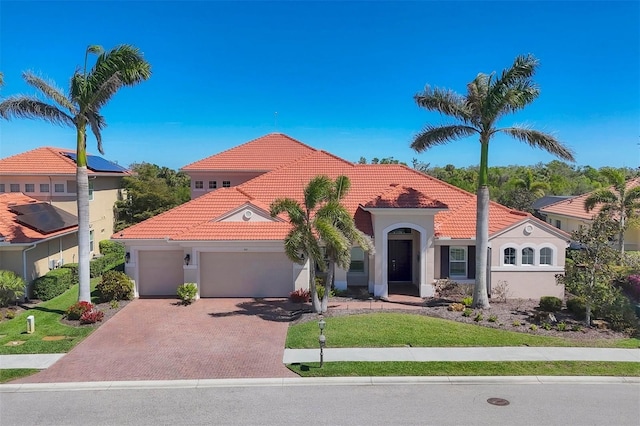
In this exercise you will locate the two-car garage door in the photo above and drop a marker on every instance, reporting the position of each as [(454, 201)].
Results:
[(251, 274)]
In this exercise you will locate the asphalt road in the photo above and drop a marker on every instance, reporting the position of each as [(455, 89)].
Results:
[(383, 404)]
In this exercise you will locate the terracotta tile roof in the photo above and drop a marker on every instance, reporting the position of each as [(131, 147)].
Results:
[(263, 154), (44, 161), (17, 233), (574, 207), (371, 185)]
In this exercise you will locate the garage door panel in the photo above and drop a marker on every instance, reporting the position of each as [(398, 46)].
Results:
[(160, 272), (245, 275)]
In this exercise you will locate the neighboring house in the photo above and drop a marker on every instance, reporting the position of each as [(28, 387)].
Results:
[(423, 230), (35, 237), (544, 202), (570, 214), (49, 174)]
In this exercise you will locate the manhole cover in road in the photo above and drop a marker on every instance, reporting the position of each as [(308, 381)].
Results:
[(498, 401)]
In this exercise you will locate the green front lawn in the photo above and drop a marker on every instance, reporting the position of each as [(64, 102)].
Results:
[(389, 329), (47, 321), (475, 368), (15, 373)]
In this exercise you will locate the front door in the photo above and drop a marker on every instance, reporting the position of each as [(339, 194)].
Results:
[(399, 260)]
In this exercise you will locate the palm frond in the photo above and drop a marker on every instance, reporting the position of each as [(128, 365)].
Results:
[(294, 246), (440, 135), (614, 177), (523, 68), (477, 91), (632, 197), (97, 123), (539, 139), (341, 187), (289, 206), (49, 89), (600, 196), (30, 107), (514, 89), (317, 190), (103, 94), (514, 98), (444, 101), (126, 61)]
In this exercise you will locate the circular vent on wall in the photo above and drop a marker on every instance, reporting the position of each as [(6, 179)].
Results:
[(528, 229), (247, 215)]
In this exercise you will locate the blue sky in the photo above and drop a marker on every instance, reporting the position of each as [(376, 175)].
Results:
[(340, 75)]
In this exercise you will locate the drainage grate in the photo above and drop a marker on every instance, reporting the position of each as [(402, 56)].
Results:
[(498, 401)]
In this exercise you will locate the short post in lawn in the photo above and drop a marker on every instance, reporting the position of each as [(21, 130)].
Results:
[(322, 339)]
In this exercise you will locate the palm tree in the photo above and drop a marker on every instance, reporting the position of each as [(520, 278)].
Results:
[(532, 186), (619, 202), (89, 91), (338, 234), (488, 99)]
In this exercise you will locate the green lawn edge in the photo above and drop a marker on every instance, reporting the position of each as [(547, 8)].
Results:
[(467, 368), (392, 329), (9, 374)]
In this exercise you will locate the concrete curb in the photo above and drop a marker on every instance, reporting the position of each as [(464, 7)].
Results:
[(318, 381)]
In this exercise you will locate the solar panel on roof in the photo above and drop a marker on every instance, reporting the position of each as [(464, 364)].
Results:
[(43, 217), (98, 164)]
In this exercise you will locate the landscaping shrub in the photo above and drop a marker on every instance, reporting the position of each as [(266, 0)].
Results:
[(91, 317), (300, 295), (105, 263), (115, 285), (73, 267), (75, 311), (550, 304), (620, 314), (456, 307), (53, 284), (467, 312), (320, 291), (577, 307), (478, 317), (633, 286), (493, 318), (187, 293), (110, 247), (467, 301), (11, 287)]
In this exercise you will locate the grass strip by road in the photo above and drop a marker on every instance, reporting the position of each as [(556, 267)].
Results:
[(15, 373), (467, 368), (47, 321), (389, 329)]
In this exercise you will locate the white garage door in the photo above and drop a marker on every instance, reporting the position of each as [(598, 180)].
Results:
[(245, 275), (160, 272)]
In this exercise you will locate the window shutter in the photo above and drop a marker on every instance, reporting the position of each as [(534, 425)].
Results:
[(471, 262), (444, 261)]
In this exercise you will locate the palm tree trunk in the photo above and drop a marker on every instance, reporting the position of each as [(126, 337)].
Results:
[(480, 297), (315, 302), (327, 286), (82, 183), (621, 236)]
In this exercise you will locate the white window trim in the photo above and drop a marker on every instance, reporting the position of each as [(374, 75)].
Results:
[(536, 256), (521, 256), (466, 260), (195, 185)]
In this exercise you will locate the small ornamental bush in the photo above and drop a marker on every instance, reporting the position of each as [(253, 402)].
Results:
[(77, 310), (550, 304), (533, 327), (10, 314), (478, 317), (299, 296), (11, 287), (91, 317), (115, 285), (546, 326), (73, 267), (467, 312), (53, 284), (516, 323), (561, 326), (187, 293), (493, 318), (634, 286), (456, 307), (577, 307), (467, 301)]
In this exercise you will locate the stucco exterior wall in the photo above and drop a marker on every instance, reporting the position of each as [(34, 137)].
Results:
[(569, 224), (234, 177), (528, 285)]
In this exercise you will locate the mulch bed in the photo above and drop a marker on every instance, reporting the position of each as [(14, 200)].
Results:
[(105, 308)]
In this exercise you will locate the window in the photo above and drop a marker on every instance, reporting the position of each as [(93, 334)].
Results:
[(2, 189), (14, 187), (29, 187), (527, 256), (58, 187), (72, 187), (510, 256), (199, 184), (226, 183), (546, 256), (213, 184), (558, 223), (90, 190), (44, 187), (357, 260), (458, 261), (91, 240)]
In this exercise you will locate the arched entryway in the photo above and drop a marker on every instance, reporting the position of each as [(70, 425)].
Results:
[(403, 262)]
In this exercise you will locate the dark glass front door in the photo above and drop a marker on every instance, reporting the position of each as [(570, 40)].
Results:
[(399, 260)]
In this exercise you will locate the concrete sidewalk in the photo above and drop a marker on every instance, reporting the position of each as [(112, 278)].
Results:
[(39, 361), (462, 354)]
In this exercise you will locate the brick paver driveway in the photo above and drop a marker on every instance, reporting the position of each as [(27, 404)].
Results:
[(154, 339)]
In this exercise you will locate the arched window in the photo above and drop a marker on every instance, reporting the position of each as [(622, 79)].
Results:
[(546, 256), (527, 256), (510, 256)]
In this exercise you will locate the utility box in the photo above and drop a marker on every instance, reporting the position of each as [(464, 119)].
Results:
[(31, 324)]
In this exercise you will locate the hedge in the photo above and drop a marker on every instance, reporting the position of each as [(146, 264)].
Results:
[(53, 284), (109, 247), (74, 272), (105, 263)]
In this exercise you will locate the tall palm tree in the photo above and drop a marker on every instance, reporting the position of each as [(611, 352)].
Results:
[(338, 234), (488, 99), (532, 186), (621, 202), (89, 91)]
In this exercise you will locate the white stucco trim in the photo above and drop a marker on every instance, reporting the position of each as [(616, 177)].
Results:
[(536, 257)]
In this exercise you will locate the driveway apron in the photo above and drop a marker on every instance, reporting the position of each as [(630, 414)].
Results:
[(155, 339)]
